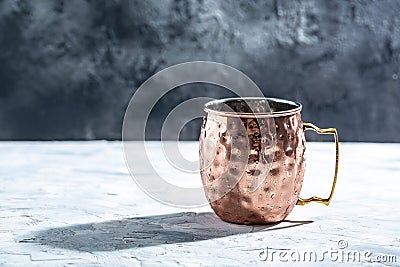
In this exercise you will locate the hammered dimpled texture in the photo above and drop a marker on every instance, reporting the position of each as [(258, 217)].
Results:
[(262, 169)]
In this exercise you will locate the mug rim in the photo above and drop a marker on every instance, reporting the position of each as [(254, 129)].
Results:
[(297, 107)]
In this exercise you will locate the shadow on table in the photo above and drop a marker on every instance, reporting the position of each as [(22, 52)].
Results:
[(147, 231)]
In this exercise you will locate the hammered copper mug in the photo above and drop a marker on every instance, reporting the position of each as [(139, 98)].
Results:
[(252, 158)]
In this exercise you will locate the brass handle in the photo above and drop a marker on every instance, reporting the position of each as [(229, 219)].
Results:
[(326, 201)]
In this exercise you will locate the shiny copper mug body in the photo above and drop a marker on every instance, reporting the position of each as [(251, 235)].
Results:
[(252, 158)]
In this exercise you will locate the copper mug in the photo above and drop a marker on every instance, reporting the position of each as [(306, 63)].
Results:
[(252, 158)]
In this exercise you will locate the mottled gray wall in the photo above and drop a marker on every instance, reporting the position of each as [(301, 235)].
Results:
[(69, 68)]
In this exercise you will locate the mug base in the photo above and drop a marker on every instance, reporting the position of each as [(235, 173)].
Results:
[(246, 222), (250, 220)]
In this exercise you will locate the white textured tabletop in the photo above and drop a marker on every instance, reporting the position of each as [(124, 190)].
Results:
[(64, 203)]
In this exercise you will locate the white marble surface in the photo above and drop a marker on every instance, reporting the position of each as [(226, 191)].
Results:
[(74, 203)]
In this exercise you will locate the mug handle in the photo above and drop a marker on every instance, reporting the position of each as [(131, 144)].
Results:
[(326, 201)]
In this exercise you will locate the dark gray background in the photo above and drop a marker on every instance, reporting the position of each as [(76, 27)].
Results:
[(69, 68)]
